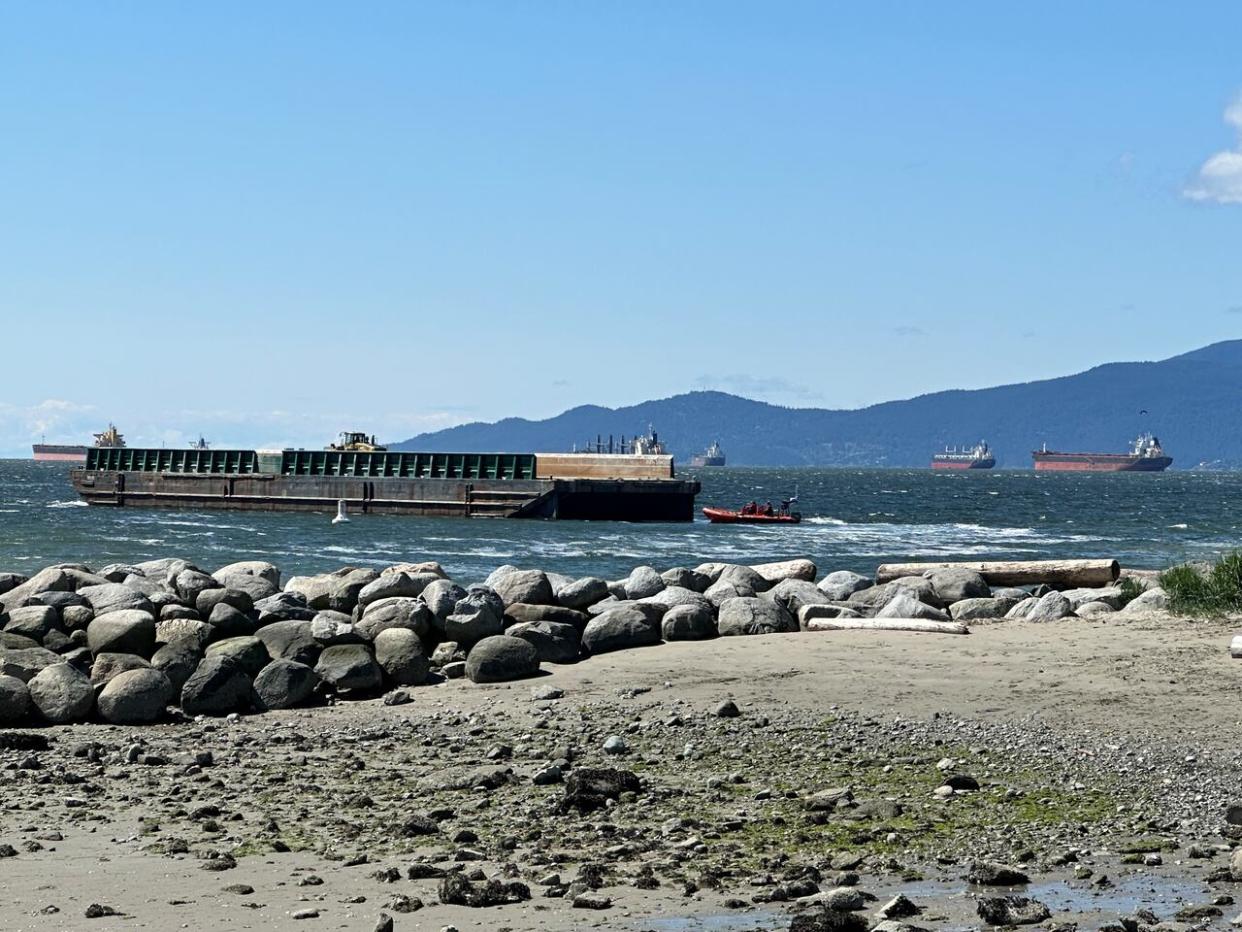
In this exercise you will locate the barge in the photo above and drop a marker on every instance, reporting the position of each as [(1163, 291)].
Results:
[(502, 485)]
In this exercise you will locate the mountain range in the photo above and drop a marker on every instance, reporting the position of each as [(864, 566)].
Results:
[(1191, 401)]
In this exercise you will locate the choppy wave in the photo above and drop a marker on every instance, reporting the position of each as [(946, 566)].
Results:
[(75, 503)]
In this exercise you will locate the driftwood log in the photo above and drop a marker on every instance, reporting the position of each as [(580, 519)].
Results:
[(1070, 574), (886, 624)]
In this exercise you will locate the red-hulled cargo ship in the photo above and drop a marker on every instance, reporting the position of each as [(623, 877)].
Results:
[(1146, 455), (979, 458)]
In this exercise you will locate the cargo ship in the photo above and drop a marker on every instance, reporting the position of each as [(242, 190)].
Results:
[(712, 456), (1146, 455), (76, 453), (371, 479), (979, 457)]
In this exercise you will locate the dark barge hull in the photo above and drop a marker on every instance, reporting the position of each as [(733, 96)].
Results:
[(566, 498)]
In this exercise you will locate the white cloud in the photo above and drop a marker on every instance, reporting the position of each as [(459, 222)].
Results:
[(1219, 180)]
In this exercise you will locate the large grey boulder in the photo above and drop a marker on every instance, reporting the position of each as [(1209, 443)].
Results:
[(501, 658), (980, 609), (26, 663), (228, 622), (642, 583), (314, 591), (395, 612), (479, 615), (283, 606), (349, 666), (795, 593), (1113, 596), (954, 583), (620, 629), (688, 623), (520, 612), (582, 593), (178, 660), (343, 595), (208, 599), (842, 584), (800, 568), (76, 617), (128, 631), (721, 591), (134, 697), (107, 667), (395, 585), (258, 579), (554, 642), (1153, 600), (62, 694), (32, 621), (905, 605), (114, 597), (290, 640), (671, 596), (253, 568), (283, 684), (248, 651), (871, 600), (11, 641), (686, 579), (1052, 606), (399, 652), (751, 615), (217, 686), (190, 582), (331, 628), (515, 585), (441, 596), (14, 700), (180, 629), (745, 577)]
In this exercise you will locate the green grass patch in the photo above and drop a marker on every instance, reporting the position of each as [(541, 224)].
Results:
[(1216, 592)]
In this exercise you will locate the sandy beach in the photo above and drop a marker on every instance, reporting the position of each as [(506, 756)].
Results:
[(1114, 729)]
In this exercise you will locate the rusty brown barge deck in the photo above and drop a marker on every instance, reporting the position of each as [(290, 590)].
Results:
[(499, 485)]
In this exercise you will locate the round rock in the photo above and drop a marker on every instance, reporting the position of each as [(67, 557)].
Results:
[(135, 697), (62, 694), (501, 658)]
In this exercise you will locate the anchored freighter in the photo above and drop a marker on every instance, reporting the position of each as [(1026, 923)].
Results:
[(978, 458), (76, 453), (1146, 455)]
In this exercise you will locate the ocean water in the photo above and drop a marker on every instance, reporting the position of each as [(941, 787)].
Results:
[(852, 519)]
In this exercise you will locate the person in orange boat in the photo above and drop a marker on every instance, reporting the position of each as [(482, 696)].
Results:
[(750, 508), (767, 510)]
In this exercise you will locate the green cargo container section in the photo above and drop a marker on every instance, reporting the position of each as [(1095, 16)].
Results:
[(453, 484)]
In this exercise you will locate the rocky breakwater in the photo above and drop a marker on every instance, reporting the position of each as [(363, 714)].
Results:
[(131, 644)]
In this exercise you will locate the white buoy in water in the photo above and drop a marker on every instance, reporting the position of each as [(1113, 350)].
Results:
[(341, 516)]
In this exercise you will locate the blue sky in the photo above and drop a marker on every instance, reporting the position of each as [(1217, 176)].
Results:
[(270, 222)]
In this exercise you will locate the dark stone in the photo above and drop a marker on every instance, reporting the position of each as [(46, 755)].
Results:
[(456, 890), (177, 660), (128, 631), (1011, 910), (290, 640), (619, 629), (218, 686), (501, 658), (349, 666), (283, 684), (590, 788), (227, 622), (135, 697), (553, 642), (993, 874)]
